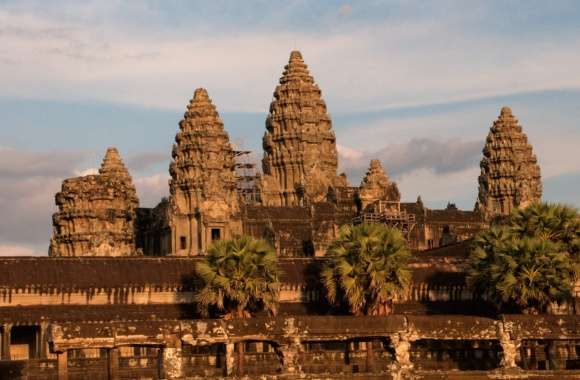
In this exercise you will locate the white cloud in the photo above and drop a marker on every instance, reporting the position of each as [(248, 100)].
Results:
[(152, 188), (347, 153), (371, 66), (20, 250), (89, 171), (437, 189)]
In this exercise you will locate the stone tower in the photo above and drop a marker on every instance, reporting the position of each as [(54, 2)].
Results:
[(204, 204), (510, 175), (300, 158), (96, 213), (376, 186)]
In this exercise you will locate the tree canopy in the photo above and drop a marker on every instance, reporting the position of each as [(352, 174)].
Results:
[(367, 268), (239, 277), (529, 262)]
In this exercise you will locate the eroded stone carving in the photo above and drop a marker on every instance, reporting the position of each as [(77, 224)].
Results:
[(96, 213), (299, 144), (204, 202), (510, 175)]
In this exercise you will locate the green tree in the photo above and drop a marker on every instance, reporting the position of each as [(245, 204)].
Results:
[(366, 269), (529, 262), (239, 277), (557, 223)]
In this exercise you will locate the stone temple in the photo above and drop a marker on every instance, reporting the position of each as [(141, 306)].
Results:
[(510, 175), (114, 299)]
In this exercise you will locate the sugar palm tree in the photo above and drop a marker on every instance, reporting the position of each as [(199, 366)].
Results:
[(554, 222), (531, 261), (239, 278), (366, 269)]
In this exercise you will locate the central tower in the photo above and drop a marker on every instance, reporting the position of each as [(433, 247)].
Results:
[(300, 159)]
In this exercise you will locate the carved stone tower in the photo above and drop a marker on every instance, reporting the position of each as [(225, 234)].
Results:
[(510, 175), (96, 213), (376, 186), (204, 203), (300, 158)]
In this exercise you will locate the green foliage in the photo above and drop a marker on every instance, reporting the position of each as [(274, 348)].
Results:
[(367, 268), (529, 262), (239, 278), (554, 222)]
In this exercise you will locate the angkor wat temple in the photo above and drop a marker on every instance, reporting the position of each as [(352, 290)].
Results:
[(114, 299)]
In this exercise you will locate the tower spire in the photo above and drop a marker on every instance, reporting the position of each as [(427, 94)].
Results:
[(510, 175), (113, 164), (300, 157), (203, 184)]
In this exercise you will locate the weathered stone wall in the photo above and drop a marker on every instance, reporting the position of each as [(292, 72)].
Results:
[(404, 347)]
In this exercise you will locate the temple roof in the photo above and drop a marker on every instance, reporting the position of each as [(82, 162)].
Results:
[(299, 144), (510, 175), (113, 165), (77, 273)]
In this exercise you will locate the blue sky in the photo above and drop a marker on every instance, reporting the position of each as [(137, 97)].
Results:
[(416, 84)]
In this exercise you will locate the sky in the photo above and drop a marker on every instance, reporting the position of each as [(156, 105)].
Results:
[(415, 84)]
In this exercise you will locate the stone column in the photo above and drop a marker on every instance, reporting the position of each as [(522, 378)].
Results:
[(6, 341), (62, 365), (289, 354), (230, 358), (43, 348), (113, 363), (402, 346), (509, 348), (172, 362)]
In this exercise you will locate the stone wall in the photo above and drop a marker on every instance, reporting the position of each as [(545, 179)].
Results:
[(332, 347)]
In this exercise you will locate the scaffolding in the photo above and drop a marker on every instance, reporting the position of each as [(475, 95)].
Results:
[(247, 178), (389, 213)]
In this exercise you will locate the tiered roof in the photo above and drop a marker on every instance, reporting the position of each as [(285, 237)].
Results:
[(299, 144), (376, 186), (203, 159), (510, 175), (96, 213)]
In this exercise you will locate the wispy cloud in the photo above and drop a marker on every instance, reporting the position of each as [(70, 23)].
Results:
[(29, 182), (399, 160), (21, 250), (137, 55), (152, 188)]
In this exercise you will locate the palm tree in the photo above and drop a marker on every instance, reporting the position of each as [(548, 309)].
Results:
[(530, 262), (366, 269), (555, 222), (239, 278)]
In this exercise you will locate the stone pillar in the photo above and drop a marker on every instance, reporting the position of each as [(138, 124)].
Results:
[(289, 354), (113, 363), (6, 341), (43, 348), (402, 346), (62, 365), (230, 358), (172, 362), (509, 348)]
